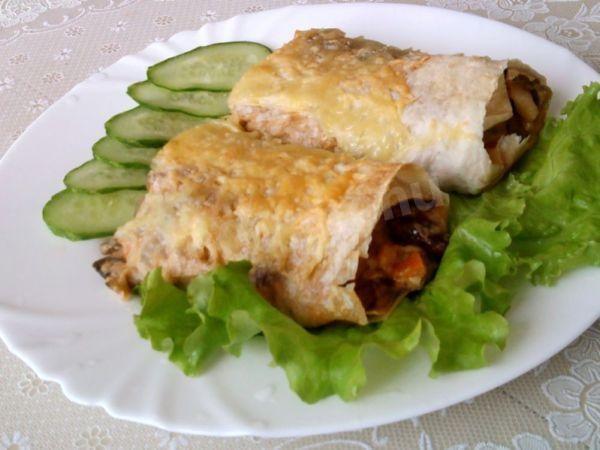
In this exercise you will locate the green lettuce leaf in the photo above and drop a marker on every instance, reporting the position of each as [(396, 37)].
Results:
[(317, 364), (541, 221), (223, 310), (560, 226), (465, 300), (167, 321)]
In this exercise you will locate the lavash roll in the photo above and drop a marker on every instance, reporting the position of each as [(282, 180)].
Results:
[(465, 119), (303, 217)]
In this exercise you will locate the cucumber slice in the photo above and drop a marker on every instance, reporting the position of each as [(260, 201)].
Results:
[(197, 103), (215, 67), (145, 127), (97, 176), (118, 154), (79, 215)]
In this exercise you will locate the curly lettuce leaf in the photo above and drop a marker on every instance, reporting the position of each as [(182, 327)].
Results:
[(167, 321), (222, 309), (465, 300), (560, 226), (317, 363), (471, 291)]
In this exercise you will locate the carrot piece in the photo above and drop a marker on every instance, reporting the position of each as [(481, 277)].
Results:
[(413, 265)]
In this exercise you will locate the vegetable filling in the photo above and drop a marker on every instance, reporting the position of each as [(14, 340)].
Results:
[(406, 247), (515, 112)]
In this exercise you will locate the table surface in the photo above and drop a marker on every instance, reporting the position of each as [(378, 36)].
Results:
[(47, 46)]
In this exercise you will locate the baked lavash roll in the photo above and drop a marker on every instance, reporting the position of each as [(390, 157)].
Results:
[(330, 238), (466, 119)]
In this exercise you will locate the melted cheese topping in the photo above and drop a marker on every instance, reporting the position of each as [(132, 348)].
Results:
[(272, 175), (355, 88)]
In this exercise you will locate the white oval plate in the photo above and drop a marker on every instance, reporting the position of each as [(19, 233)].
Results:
[(57, 315)]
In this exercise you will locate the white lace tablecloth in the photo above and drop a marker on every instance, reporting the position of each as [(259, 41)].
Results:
[(47, 46)]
